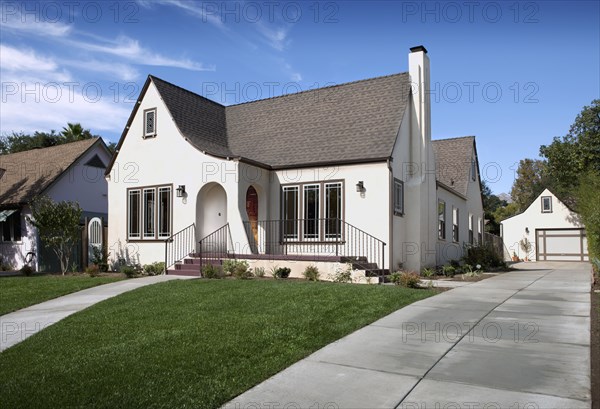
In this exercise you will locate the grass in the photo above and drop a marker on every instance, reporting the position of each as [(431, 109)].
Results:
[(193, 344), (20, 292)]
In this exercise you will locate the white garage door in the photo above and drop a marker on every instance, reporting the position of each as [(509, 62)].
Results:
[(561, 245)]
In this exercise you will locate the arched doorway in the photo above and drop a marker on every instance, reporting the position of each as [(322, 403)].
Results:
[(252, 211), (211, 209)]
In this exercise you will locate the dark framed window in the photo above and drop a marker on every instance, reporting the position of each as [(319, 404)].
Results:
[(546, 204), (398, 197), (480, 231), (149, 213), (333, 210), (473, 170), (441, 219), (150, 123), (455, 224), (312, 211), (471, 233), (10, 225)]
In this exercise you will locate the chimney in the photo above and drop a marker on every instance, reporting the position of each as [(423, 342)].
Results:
[(418, 68)]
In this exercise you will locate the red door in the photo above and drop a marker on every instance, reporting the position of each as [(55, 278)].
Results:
[(252, 211)]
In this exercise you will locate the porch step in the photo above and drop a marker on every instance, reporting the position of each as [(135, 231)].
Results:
[(183, 273)]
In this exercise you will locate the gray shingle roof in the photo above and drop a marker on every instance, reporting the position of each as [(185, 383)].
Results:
[(29, 173), (453, 162), (352, 122)]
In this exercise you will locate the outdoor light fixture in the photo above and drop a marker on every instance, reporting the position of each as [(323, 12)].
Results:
[(180, 191), (527, 230), (360, 187)]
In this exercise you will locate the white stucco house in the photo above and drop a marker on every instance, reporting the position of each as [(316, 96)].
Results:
[(554, 231), (71, 172), (346, 173)]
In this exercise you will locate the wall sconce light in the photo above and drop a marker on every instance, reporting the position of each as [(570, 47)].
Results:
[(180, 191), (526, 230), (360, 187)]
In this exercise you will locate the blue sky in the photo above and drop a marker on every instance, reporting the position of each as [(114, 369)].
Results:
[(514, 74)]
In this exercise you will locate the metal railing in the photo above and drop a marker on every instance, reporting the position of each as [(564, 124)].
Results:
[(180, 245), (316, 237), (215, 247)]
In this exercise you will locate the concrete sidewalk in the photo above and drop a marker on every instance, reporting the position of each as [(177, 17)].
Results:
[(19, 325), (518, 339)]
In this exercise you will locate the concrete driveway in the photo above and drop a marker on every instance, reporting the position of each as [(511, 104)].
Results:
[(518, 340)]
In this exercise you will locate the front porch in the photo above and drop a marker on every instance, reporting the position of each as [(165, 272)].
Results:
[(329, 243)]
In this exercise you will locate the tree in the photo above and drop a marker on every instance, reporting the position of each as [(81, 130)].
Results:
[(504, 212), (491, 203), (574, 154), (588, 201), (530, 182), (58, 226), (19, 142)]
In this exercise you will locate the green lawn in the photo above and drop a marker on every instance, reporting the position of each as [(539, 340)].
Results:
[(20, 292), (193, 344)]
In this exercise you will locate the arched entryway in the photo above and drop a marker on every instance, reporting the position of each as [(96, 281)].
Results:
[(211, 209), (252, 211)]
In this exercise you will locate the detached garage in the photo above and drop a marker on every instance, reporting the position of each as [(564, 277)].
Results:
[(553, 230), (561, 245)]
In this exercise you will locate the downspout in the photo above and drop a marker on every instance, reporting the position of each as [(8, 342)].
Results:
[(390, 213)]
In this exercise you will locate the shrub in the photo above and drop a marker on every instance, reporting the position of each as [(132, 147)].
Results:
[(154, 269), (26, 270), (273, 271), (449, 271), (408, 279), (4, 266), (92, 270), (428, 272), (129, 271), (455, 264), (259, 272), (212, 271), (242, 271), (283, 272), (311, 273), (484, 255), (342, 276)]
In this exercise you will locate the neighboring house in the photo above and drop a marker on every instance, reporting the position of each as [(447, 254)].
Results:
[(73, 172), (554, 231), (336, 174), (460, 204)]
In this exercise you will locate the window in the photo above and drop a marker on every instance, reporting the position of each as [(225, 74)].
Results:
[(471, 237), (149, 213), (455, 224), (149, 210), (442, 219), (333, 210), (398, 197), (10, 225), (133, 212), (473, 170), (150, 123), (164, 215), (546, 204), (312, 211), (289, 211), (480, 231)]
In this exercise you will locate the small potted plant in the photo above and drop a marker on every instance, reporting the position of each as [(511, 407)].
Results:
[(515, 257)]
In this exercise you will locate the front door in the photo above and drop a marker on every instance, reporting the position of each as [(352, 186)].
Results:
[(252, 211)]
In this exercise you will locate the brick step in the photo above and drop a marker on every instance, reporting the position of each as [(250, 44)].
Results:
[(187, 267), (183, 273), (197, 261)]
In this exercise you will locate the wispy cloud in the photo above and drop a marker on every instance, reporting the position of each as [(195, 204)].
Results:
[(194, 8), (130, 49), (276, 37), (28, 63), (31, 24)]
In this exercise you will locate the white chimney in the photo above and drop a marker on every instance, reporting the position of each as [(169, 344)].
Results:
[(418, 68)]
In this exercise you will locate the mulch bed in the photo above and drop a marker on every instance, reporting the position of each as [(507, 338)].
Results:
[(460, 277)]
